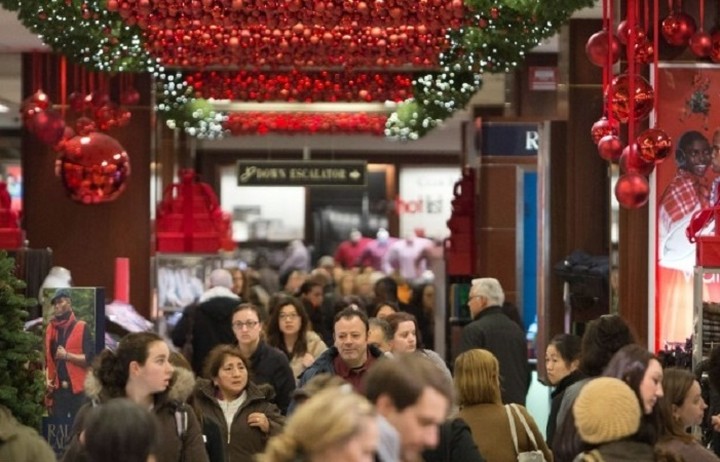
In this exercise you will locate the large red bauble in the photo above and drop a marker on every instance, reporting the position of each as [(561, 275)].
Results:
[(701, 44), (622, 32), (619, 95), (94, 168), (678, 27), (654, 145), (630, 162), (632, 190), (597, 48), (48, 126), (603, 127), (38, 99), (610, 148)]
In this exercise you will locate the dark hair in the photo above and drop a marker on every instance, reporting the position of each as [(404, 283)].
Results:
[(713, 368), (307, 286), (276, 338), (374, 310), (394, 321), (568, 345), (112, 369), (215, 359), (403, 378), (386, 289), (603, 337), (418, 293), (383, 326), (120, 431), (349, 313), (684, 143), (629, 364), (349, 301)]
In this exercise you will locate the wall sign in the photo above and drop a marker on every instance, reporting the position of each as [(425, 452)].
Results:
[(508, 139), (301, 173)]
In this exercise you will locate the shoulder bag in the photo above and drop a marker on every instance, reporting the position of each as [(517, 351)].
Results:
[(527, 456)]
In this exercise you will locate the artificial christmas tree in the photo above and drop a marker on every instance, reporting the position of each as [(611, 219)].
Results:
[(21, 377)]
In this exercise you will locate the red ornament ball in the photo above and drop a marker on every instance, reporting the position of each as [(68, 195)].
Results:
[(619, 95), (701, 44), (48, 126), (94, 168), (38, 99), (677, 28), (85, 126), (654, 145), (630, 162), (622, 32), (632, 190), (597, 48), (610, 148), (603, 127)]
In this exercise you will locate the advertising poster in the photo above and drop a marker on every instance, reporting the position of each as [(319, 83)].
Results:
[(73, 320), (688, 108)]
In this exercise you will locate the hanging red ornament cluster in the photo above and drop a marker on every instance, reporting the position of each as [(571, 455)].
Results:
[(630, 98), (284, 13), (297, 86), (299, 33), (93, 167), (262, 123)]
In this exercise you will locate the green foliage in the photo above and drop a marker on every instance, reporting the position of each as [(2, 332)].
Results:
[(21, 378)]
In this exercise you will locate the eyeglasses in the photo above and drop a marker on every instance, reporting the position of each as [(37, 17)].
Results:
[(247, 324), (289, 316)]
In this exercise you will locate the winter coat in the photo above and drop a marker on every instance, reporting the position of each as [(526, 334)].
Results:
[(242, 440), (270, 365), (619, 451), (456, 444), (690, 450), (494, 331), (207, 325), (315, 346), (556, 400), (324, 363), (19, 443), (174, 444)]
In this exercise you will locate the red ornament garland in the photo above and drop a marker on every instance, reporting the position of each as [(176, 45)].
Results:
[(262, 123)]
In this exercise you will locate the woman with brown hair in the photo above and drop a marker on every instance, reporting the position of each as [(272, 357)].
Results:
[(242, 409), (477, 386)]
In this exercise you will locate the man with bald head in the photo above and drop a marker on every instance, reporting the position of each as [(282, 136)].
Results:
[(492, 330)]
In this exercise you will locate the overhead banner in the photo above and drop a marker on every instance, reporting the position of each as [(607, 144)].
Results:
[(301, 173), (687, 102)]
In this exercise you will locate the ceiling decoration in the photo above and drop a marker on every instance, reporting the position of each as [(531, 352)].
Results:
[(428, 55)]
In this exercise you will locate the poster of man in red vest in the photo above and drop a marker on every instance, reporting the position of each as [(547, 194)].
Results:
[(69, 349)]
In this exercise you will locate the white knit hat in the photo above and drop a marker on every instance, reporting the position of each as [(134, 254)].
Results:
[(606, 409)]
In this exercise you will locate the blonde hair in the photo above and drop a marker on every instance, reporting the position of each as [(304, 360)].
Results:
[(331, 417), (477, 378)]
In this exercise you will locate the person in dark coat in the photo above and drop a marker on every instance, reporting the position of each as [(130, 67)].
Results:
[(140, 370), (492, 330), (207, 323), (456, 444), (269, 365), (243, 410), (562, 360)]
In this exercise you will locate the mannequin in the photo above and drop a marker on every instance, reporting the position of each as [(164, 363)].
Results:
[(348, 252), (374, 254), (405, 255)]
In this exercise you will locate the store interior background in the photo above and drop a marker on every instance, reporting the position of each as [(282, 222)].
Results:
[(87, 239)]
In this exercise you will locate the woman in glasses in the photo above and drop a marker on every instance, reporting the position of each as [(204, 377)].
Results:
[(289, 331), (269, 365), (242, 409)]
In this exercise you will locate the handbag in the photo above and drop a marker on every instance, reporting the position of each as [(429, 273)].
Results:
[(526, 456)]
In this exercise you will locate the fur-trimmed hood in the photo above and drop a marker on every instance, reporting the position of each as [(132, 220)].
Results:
[(181, 387)]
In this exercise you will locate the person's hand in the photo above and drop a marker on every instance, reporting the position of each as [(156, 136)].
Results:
[(50, 384), (715, 421), (61, 353), (307, 360), (260, 420)]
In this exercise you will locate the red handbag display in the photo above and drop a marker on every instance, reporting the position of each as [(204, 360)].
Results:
[(189, 218)]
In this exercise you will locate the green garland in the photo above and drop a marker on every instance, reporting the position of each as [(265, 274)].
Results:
[(502, 32)]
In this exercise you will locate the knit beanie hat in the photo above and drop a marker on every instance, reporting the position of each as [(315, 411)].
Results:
[(606, 410)]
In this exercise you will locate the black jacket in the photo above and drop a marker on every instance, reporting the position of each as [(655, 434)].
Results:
[(456, 444), (556, 396), (494, 331), (270, 365)]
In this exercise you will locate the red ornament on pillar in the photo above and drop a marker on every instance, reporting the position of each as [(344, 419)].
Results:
[(597, 49), (610, 148), (619, 95), (678, 27), (604, 127), (93, 168), (654, 145), (630, 162), (632, 190)]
